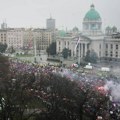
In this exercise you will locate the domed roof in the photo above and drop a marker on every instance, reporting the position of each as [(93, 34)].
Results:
[(62, 33), (92, 14), (108, 28), (75, 29)]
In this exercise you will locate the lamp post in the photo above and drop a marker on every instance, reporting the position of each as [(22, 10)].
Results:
[(61, 59), (35, 53), (79, 54)]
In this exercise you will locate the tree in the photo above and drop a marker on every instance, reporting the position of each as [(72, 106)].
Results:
[(15, 92), (91, 56), (60, 96), (4, 66), (66, 52), (3, 47), (11, 50), (47, 96), (51, 49)]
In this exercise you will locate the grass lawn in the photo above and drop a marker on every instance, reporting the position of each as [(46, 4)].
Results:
[(29, 55)]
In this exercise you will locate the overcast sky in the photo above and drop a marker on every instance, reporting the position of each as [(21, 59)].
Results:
[(68, 13)]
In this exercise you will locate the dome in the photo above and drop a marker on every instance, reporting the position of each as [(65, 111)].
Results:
[(75, 29), (114, 29), (62, 33), (92, 14), (108, 28)]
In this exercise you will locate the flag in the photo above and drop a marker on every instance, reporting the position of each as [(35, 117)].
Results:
[(77, 44)]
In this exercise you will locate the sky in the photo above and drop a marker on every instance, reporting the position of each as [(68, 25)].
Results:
[(67, 13)]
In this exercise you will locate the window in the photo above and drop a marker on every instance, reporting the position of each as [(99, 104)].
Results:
[(116, 54), (99, 26), (93, 27), (86, 26), (59, 42), (116, 47), (65, 42), (106, 46), (68, 43), (106, 53), (99, 53), (100, 46), (111, 46), (59, 48), (111, 53)]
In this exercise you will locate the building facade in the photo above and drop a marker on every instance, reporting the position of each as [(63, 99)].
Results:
[(92, 38), (42, 39), (15, 37), (3, 36), (28, 39), (50, 24), (3, 33)]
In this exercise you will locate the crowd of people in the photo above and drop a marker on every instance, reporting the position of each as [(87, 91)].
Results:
[(110, 108)]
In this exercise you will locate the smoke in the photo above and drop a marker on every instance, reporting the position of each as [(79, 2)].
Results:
[(70, 74), (112, 86), (114, 89)]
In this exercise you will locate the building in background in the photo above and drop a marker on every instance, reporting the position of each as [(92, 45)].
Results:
[(3, 36), (50, 24), (42, 38), (15, 37), (28, 42), (112, 44), (106, 46), (3, 33), (92, 22), (4, 26)]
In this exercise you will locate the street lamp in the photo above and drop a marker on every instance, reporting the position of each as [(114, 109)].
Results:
[(61, 59), (35, 53)]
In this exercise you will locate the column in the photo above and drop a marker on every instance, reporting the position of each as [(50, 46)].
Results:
[(72, 50), (80, 49), (85, 48), (114, 51), (108, 50)]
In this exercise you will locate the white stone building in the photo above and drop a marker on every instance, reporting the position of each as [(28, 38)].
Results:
[(91, 38)]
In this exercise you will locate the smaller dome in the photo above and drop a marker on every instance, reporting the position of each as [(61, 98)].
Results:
[(114, 29), (62, 33), (75, 29), (92, 14), (108, 28)]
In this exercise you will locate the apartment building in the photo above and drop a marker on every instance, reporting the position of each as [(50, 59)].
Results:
[(15, 37)]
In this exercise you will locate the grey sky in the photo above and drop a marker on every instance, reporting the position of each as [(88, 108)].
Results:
[(68, 13)]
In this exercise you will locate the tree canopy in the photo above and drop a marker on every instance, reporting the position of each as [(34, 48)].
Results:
[(3, 47), (66, 52), (91, 56), (42, 94), (51, 50)]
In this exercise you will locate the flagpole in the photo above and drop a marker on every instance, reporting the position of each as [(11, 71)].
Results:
[(78, 44), (79, 55)]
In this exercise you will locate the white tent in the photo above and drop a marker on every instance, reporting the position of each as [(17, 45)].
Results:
[(88, 67), (105, 69)]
